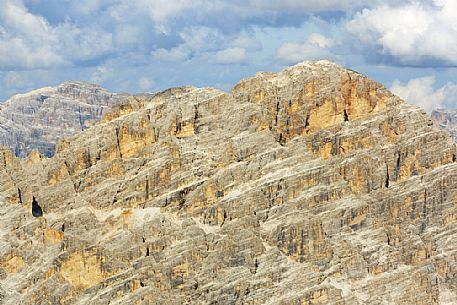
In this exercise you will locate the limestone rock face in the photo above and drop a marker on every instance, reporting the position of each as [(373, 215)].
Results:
[(38, 119), (313, 185), (447, 119)]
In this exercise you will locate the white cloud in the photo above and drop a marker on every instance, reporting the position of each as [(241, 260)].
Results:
[(420, 91), (312, 5), (88, 7), (28, 41), (314, 48), (79, 44), (127, 35), (414, 34), (320, 40), (208, 44), (246, 42), (101, 74), (145, 84), (162, 12), (173, 55), (201, 38), (13, 80), (231, 56)]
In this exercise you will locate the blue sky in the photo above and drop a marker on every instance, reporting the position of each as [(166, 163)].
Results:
[(149, 45)]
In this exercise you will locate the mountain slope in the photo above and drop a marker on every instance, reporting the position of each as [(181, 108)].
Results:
[(313, 185), (38, 119)]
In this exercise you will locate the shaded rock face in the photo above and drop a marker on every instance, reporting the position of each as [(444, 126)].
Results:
[(313, 185), (447, 119), (38, 119)]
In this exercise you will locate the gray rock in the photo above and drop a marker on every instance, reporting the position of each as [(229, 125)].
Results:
[(313, 185), (447, 119), (38, 119)]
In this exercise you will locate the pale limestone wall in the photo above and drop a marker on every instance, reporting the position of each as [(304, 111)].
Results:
[(270, 194)]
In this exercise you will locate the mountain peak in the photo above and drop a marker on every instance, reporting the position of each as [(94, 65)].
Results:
[(39, 118), (313, 185)]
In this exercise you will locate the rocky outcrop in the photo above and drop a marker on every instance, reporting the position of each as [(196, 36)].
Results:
[(447, 119), (313, 185), (38, 119)]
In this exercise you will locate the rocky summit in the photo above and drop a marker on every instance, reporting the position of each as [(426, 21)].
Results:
[(447, 119), (314, 185), (38, 119)]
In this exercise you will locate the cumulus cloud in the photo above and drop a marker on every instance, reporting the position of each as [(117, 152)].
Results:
[(101, 74), (145, 84), (25, 40), (36, 35), (28, 41), (421, 92), (162, 11), (173, 55), (315, 47), (13, 80), (231, 56), (313, 5), (246, 42), (82, 44), (209, 45), (417, 33)]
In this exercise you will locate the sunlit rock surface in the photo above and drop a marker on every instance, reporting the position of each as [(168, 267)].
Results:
[(313, 185)]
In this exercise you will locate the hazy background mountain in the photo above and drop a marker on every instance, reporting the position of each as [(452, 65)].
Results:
[(38, 119), (447, 119)]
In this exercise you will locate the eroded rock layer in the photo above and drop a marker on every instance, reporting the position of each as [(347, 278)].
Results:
[(313, 185), (38, 119)]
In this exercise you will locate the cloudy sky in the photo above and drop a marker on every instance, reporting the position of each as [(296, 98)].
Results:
[(149, 45)]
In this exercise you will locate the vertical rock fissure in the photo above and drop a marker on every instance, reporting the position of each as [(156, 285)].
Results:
[(397, 167), (99, 152), (387, 182), (88, 159), (118, 142), (146, 191), (80, 118), (157, 134), (195, 112), (277, 111), (19, 195), (4, 161)]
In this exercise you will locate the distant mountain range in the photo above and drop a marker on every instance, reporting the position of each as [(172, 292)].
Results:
[(38, 119)]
